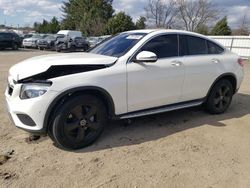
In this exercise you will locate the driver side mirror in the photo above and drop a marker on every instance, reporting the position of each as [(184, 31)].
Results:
[(146, 57)]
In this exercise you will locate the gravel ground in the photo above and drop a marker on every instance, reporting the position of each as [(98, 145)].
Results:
[(184, 148)]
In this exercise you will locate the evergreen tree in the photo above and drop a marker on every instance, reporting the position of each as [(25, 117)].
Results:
[(54, 26), (36, 26), (202, 29), (47, 27), (89, 16), (119, 23), (140, 24), (221, 28), (44, 27)]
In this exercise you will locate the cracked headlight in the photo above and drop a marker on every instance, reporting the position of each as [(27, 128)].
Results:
[(33, 90)]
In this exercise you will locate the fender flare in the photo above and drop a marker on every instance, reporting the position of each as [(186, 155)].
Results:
[(220, 77), (56, 101)]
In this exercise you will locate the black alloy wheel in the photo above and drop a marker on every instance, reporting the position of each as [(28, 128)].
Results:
[(220, 97), (79, 122)]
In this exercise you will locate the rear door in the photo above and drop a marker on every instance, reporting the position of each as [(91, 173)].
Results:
[(201, 66), (156, 84)]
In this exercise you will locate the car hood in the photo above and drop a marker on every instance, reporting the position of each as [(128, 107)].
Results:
[(40, 64)]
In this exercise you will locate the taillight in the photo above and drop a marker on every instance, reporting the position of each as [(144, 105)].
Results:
[(241, 62)]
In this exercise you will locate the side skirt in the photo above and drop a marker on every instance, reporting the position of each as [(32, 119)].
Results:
[(161, 109)]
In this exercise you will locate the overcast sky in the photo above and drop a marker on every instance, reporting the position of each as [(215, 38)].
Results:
[(25, 12)]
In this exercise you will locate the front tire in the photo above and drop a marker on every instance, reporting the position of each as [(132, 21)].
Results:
[(220, 97), (79, 122)]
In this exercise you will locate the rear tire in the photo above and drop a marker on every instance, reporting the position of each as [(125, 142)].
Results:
[(220, 97), (79, 122)]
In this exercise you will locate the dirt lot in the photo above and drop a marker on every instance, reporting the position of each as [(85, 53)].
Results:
[(185, 148)]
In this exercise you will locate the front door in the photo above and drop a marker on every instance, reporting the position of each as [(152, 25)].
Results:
[(156, 84)]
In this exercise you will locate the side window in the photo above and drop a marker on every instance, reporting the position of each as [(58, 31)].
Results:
[(214, 48), (196, 45), (4, 36), (9, 36), (163, 46), (12, 36)]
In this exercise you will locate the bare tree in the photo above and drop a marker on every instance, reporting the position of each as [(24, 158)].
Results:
[(243, 29), (192, 14), (160, 13)]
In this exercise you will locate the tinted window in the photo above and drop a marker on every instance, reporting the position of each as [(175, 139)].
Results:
[(118, 45), (27, 36), (163, 46), (7, 36), (196, 46), (214, 48)]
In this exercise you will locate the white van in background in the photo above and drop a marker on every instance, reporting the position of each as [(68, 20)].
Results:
[(70, 33)]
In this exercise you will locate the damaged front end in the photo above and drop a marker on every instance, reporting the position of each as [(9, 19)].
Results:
[(33, 85), (61, 70), (37, 85)]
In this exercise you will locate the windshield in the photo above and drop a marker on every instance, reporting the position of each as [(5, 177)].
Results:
[(60, 36), (36, 36), (50, 37), (118, 45)]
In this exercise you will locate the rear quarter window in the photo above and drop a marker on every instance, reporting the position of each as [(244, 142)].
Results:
[(214, 48)]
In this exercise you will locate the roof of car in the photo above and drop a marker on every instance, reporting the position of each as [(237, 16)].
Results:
[(147, 31), (162, 31), (8, 32)]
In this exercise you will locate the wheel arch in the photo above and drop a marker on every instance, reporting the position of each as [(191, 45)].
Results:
[(66, 95), (229, 76)]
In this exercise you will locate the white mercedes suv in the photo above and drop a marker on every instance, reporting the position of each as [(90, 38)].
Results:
[(71, 97)]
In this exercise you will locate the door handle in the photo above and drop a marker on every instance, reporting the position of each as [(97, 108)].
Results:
[(215, 60), (176, 63)]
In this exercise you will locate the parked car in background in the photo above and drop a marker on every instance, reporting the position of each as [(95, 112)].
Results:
[(32, 42), (79, 43), (27, 36), (71, 44), (48, 42), (93, 41), (104, 37), (24, 36), (135, 73), (9, 40)]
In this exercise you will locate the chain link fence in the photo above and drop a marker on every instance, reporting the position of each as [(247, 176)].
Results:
[(237, 44)]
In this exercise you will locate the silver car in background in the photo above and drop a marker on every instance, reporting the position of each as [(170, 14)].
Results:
[(32, 41)]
